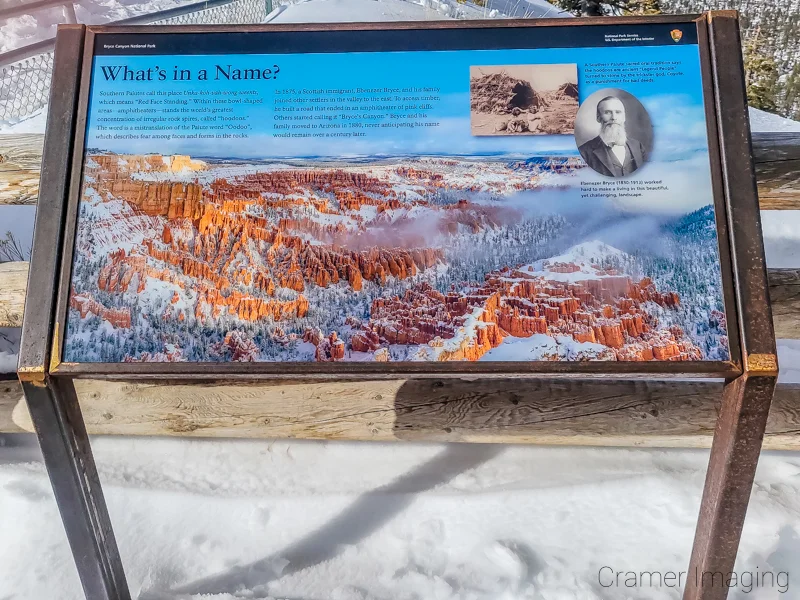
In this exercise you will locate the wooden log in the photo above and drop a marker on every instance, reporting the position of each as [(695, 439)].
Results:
[(777, 161), (782, 202), (784, 291), (20, 164), (13, 282), (772, 147), (612, 413), (779, 185)]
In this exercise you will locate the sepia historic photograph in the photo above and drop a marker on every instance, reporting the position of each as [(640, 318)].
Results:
[(523, 99)]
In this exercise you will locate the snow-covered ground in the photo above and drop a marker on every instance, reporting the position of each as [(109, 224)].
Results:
[(41, 23), (789, 361), (333, 11), (348, 521), (781, 230), (763, 121), (9, 346)]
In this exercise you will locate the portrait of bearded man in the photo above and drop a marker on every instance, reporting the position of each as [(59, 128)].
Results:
[(613, 152)]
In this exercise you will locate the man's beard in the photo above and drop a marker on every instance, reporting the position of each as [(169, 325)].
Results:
[(613, 133)]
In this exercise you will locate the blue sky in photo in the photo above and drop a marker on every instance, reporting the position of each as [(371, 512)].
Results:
[(675, 103)]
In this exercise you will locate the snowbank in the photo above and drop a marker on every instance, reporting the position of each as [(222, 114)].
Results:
[(41, 24), (781, 229), (349, 11), (349, 521), (8, 362), (346, 11), (764, 122), (36, 122), (789, 361), (9, 348)]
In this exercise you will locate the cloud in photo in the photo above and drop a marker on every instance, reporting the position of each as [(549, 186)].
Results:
[(688, 181), (679, 126)]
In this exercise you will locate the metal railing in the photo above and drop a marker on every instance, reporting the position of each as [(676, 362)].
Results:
[(25, 73)]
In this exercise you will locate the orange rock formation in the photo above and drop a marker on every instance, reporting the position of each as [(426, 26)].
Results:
[(605, 311), (85, 304)]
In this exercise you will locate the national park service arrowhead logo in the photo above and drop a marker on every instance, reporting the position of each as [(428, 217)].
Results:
[(676, 35)]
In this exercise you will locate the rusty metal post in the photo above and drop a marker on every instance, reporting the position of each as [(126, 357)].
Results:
[(52, 402), (746, 399)]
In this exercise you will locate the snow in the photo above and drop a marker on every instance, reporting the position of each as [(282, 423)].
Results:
[(353, 521), (781, 229), (789, 361), (33, 123), (8, 362), (539, 347), (583, 255), (41, 24), (107, 233), (344, 11), (764, 122), (9, 345), (588, 252)]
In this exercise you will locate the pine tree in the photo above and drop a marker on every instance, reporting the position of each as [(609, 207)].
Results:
[(600, 8), (589, 8), (771, 48), (761, 74), (643, 7), (779, 39), (789, 94)]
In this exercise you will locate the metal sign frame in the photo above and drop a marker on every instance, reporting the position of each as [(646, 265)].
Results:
[(750, 373)]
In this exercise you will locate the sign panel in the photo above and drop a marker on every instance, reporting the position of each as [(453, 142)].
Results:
[(395, 196)]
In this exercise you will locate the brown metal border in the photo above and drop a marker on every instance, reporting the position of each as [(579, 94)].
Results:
[(262, 370), (73, 201), (405, 25), (756, 329), (37, 326), (323, 371), (746, 399), (53, 405), (721, 216)]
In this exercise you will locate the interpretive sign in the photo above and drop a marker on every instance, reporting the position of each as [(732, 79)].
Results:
[(344, 196), (398, 201)]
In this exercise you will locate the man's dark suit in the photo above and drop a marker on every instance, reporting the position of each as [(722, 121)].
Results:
[(600, 157)]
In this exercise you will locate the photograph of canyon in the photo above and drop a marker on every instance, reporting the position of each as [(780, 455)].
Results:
[(413, 258), (523, 99)]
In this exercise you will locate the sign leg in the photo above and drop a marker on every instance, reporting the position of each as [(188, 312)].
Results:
[(729, 480), (68, 457)]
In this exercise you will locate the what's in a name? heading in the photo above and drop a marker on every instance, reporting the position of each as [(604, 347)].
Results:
[(121, 73)]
